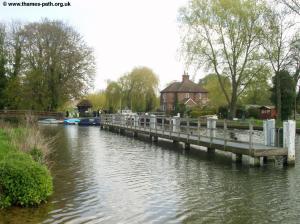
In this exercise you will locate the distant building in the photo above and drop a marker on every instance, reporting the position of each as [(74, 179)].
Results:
[(84, 106), (185, 92), (268, 112)]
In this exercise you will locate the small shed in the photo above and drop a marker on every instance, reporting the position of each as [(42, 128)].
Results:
[(83, 106), (268, 112)]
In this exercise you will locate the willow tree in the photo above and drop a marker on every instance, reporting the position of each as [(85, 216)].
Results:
[(113, 96), (139, 88), (223, 36), (143, 88)]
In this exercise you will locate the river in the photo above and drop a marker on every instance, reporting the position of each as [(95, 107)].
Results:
[(103, 177)]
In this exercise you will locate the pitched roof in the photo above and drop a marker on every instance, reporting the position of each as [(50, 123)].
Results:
[(186, 86), (84, 103)]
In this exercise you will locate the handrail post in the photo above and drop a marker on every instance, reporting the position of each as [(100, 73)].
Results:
[(188, 128), (199, 127), (225, 133), (163, 125), (250, 136)]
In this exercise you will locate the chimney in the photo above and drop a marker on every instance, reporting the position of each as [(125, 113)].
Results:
[(185, 77)]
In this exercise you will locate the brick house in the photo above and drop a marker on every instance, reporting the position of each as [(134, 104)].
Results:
[(185, 92)]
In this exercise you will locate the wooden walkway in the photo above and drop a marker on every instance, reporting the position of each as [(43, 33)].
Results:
[(190, 132)]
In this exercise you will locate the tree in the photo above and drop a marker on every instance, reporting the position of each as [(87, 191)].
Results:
[(258, 91), (287, 93), (224, 36), (49, 63), (139, 88), (113, 96), (277, 40), (3, 64), (97, 99), (143, 88), (293, 5), (215, 94)]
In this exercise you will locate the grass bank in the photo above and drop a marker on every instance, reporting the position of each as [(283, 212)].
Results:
[(24, 177)]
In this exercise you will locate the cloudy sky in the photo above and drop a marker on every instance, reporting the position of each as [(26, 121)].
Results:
[(124, 33)]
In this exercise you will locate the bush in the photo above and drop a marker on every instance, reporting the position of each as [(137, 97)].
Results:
[(197, 112), (253, 112), (23, 181)]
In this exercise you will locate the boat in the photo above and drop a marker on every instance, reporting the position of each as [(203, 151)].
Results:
[(51, 121), (89, 122), (71, 121)]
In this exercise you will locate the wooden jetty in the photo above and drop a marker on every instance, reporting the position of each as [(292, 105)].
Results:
[(191, 132)]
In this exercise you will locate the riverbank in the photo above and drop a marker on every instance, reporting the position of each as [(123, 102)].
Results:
[(24, 177)]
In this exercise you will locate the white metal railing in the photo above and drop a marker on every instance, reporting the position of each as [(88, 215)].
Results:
[(179, 127)]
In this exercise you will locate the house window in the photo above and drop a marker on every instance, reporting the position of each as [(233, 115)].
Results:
[(200, 96), (187, 95)]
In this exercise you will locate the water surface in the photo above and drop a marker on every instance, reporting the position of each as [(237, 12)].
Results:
[(103, 177)]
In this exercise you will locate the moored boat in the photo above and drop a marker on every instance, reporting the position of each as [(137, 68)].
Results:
[(71, 121), (89, 121), (51, 121)]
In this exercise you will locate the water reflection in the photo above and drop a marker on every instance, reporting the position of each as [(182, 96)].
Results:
[(102, 177)]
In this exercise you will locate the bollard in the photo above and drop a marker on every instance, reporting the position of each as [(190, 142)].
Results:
[(176, 124), (269, 132), (289, 134), (136, 121), (211, 125), (152, 121)]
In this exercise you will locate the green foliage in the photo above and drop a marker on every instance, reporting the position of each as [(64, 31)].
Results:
[(287, 93), (48, 64), (98, 100), (202, 111), (253, 112), (223, 37), (23, 181), (113, 97), (135, 90), (258, 91), (37, 155), (215, 94), (3, 62)]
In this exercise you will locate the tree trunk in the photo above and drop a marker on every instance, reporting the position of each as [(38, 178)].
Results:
[(233, 102), (278, 96)]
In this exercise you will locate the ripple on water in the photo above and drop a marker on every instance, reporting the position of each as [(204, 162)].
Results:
[(102, 177)]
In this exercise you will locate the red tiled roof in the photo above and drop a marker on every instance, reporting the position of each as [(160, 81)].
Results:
[(185, 87)]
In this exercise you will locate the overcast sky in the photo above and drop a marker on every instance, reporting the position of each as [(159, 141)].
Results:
[(123, 33)]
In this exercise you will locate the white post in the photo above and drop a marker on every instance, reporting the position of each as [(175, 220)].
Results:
[(176, 123), (211, 125), (136, 120), (289, 134), (153, 121), (269, 132)]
